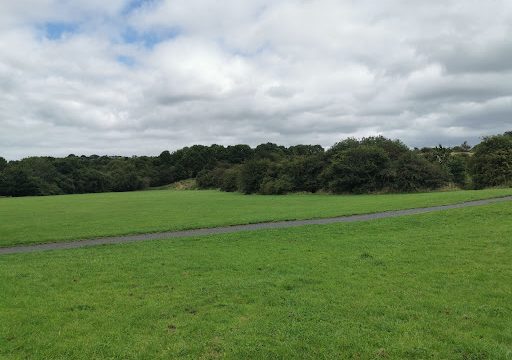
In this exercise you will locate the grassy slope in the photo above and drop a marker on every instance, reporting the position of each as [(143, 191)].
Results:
[(59, 218), (427, 286)]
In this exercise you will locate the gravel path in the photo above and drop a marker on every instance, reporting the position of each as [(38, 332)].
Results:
[(237, 228)]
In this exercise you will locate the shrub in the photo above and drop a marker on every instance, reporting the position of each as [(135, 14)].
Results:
[(206, 179), (413, 173), (15, 181), (393, 148), (211, 179), (491, 164), (358, 170), (305, 172), (276, 186), (230, 179), (457, 166), (251, 175)]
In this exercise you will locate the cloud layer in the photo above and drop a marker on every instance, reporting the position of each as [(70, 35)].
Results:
[(137, 77)]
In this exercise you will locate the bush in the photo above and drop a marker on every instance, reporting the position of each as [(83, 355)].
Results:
[(251, 175), (230, 179), (304, 172), (414, 173), (457, 166), (211, 179), (358, 169), (392, 148), (124, 180), (276, 186), (491, 164), (18, 182), (91, 181), (206, 179)]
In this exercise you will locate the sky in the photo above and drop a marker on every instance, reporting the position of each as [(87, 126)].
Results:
[(138, 77)]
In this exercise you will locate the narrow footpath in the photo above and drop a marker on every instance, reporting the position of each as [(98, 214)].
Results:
[(237, 228)]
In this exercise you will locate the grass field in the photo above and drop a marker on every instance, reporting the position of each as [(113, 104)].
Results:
[(432, 286), (70, 217)]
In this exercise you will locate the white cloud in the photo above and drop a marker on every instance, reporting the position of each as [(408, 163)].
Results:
[(289, 71)]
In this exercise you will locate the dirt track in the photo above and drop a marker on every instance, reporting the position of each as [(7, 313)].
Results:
[(237, 228)]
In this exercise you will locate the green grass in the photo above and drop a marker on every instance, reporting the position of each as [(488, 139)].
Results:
[(434, 286), (60, 218)]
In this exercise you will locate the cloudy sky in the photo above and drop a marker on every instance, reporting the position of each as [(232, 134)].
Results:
[(137, 77)]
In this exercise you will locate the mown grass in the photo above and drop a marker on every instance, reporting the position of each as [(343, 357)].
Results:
[(432, 286), (70, 217)]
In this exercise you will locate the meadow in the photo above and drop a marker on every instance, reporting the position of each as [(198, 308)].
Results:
[(30, 220), (416, 287)]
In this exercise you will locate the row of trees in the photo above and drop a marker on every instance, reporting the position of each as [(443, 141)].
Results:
[(374, 164), (368, 165)]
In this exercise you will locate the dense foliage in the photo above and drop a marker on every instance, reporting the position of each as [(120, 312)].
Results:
[(368, 165), (491, 164)]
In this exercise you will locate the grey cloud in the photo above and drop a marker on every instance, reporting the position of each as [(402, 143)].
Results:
[(468, 58), (249, 72), (496, 114), (452, 89), (281, 91)]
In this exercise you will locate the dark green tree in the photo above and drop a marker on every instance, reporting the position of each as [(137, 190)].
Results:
[(17, 182), (491, 164), (359, 169), (252, 174), (165, 157), (3, 163), (413, 172), (230, 179), (278, 185), (237, 154), (269, 151), (304, 171), (305, 150), (89, 180)]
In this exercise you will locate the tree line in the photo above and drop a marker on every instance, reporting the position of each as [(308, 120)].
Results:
[(367, 165)]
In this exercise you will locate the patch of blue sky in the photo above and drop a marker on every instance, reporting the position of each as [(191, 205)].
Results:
[(126, 60), (56, 30), (135, 4), (148, 38)]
